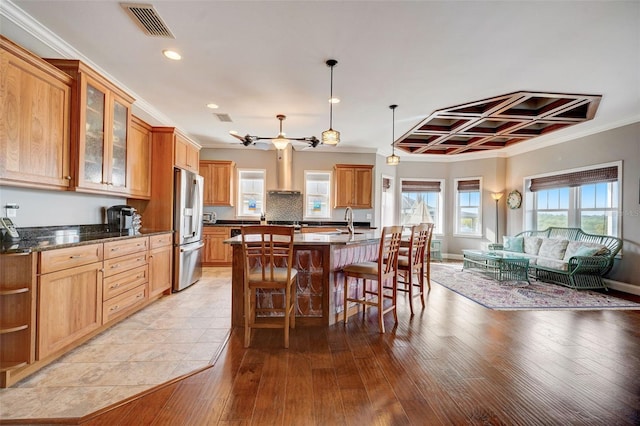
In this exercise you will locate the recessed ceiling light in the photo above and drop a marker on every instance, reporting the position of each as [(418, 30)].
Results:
[(213, 106), (172, 54), (334, 100)]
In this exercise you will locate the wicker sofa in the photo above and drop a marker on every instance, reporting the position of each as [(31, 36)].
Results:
[(565, 256)]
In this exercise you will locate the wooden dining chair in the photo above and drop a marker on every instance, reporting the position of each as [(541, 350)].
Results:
[(268, 261), (413, 261), (383, 272)]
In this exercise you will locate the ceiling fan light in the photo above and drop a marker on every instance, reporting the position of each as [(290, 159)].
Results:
[(330, 137), (393, 160), (280, 142)]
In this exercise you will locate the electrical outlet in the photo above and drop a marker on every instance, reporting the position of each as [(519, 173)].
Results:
[(11, 209), (368, 215)]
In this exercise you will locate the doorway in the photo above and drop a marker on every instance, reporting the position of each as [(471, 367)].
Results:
[(388, 202)]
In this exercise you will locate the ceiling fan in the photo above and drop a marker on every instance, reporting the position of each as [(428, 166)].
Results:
[(280, 141)]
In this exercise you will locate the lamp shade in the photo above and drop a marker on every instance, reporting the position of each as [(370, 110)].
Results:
[(496, 195), (330, 137), (393, 160), (280, 142)]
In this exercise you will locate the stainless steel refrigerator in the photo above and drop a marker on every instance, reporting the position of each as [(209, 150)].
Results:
[(187, 227)]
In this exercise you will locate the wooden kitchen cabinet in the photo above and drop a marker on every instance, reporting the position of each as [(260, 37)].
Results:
[(69, 297), (218, 182), (353, 185), (160, 264), (34, 120), (139, 159), (17, 313), (216, 252), (186, 155), (100, 120)]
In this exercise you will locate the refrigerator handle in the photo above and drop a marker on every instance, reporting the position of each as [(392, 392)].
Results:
[(198, 247), (197, 217)]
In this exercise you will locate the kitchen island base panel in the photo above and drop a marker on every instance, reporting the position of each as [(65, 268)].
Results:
[(320, 281)]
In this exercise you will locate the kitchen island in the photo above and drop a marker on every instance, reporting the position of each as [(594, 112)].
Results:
[(319, 258)]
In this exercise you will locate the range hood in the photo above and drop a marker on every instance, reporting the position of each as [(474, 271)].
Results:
[(284, 172)]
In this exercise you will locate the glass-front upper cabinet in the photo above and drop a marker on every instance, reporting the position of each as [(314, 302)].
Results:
[(103, 117)]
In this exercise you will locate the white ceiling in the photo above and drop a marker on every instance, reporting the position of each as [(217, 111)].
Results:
[(256, 59)]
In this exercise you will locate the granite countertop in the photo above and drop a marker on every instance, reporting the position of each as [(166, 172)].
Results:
[(55, 237), (303, 224), (326, 238)]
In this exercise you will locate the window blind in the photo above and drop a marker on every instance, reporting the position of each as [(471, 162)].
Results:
[(420, 186), (584, 177), (469, 185)]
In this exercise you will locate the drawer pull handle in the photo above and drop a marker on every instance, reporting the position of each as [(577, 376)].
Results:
[(75, 256), (139, 296), (138, 276), (115, 286), (115, 266), (114, 308)]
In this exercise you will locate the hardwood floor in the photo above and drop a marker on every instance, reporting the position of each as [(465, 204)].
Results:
[(453, 363)]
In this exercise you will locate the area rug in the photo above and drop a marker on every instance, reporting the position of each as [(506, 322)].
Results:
[(536, 295)]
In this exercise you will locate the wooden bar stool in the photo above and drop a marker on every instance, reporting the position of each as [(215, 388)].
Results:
[(411, 262), (381, 271), (268, 260)]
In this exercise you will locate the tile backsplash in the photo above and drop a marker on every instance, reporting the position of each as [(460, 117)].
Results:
[(284, 207)]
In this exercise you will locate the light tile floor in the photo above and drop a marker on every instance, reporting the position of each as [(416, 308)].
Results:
[(173, 336)]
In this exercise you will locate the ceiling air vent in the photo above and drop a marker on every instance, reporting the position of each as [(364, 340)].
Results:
[(224, 118), (146, 17)]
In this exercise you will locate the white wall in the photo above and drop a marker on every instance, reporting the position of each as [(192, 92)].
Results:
[(55, 208)]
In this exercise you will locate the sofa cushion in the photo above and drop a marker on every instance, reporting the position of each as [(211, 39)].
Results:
[(532, 245), (515, 244), (586, 249), (552, 248), (557, 264)]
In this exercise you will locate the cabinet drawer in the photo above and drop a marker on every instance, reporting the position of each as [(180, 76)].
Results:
[(124, 263), (119, 283), (160, 240), (121, 304), (59, 259), (120, 248)]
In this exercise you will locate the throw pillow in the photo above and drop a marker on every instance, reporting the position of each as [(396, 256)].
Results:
[(586, 251), (515, 244), (553, 248)]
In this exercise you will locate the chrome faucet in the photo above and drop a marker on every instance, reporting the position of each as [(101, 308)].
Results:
[(348, 216)]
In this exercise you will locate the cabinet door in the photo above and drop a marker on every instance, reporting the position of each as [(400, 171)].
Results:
[(363, 186), (117, 155), (93, 147), (139, 159), (186, 156), (69, 307), (160, 270), (216, 252), (345, 178), (34, 125), (218, 182)]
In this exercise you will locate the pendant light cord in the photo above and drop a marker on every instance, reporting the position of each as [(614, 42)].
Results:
[(393, 129), (331, 101)]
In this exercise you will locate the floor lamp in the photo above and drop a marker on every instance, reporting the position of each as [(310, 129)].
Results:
[(496, 196)]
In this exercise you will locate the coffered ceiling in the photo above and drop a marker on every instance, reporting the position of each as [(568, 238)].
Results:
[(471, 78)]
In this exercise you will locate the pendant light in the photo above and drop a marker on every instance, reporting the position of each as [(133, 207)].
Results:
[(280, 141), (393, 159), (331, 137)]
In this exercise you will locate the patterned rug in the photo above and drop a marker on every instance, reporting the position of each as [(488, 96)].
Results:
[(518, 295)]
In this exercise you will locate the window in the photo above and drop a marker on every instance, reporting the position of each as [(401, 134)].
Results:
[(588, 199), (317, 195), (422, 202), (468, 207), (251, 193)]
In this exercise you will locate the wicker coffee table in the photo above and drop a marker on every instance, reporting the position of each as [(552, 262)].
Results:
[(501, 266)]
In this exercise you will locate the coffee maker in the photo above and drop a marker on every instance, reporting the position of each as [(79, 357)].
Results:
[(121, 219)]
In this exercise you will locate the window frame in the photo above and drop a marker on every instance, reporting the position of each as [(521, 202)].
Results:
[(458, 213), (239, 193), (574, 211), (439, 220), (307, 195)]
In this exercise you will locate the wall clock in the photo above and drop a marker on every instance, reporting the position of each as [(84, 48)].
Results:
[(514, 199)]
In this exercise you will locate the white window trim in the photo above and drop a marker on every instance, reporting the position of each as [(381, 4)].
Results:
[(329, 199), (440, 226), (239, 214), (528, 202), (456, 232)]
